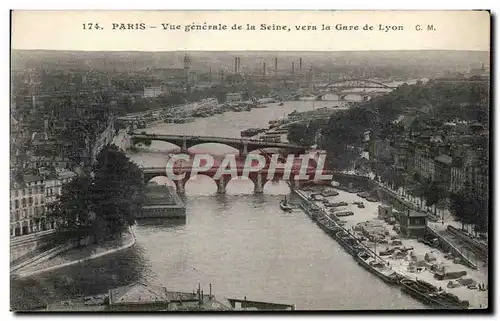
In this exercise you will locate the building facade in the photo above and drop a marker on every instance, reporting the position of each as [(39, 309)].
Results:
[(29, 199)]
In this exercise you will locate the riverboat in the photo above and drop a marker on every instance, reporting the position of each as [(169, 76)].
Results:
[(361, 205), (377, 267), (348, 242), (328, 225), (431, 295)]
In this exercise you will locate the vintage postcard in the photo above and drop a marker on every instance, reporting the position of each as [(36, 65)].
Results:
[(249, 160)]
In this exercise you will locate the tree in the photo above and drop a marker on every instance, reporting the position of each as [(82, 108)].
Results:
[(117, 191), (434, 194), (72, 209), (301, 134), (467, 207)]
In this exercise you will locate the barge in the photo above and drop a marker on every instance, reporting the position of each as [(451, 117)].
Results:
[(432, 296)]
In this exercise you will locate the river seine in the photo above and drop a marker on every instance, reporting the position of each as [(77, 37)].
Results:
[(241, 243)]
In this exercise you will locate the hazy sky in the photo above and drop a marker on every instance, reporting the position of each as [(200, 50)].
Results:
[(64, 30)]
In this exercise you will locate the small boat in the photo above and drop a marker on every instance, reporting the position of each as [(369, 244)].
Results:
[(341, 214), (357, 203), (281, 104), (284, 206), (314, 196), (337, 204), (377, 267), (329, 192), (361, 205)]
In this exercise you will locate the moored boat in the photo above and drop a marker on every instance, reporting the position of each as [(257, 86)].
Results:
[(346, 213), (377, 267), (285, 206), (329, 192), (348, 242), (338, 204), (328, 225), (429, 294)]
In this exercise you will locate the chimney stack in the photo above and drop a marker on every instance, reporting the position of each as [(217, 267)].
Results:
[(264, 69), (239, 64), (235, 64), (276, 66), (300, 64)]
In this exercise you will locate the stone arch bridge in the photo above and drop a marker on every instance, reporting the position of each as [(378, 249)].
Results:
[(243, 145)]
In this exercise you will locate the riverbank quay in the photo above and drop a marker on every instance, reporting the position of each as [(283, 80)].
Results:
[(69, 254), (145, 297), (472, 250), (410, 260)]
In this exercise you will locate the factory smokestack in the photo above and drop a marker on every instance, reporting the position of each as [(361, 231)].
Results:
[(276, 66), (264, 69), (300, 64), (235, 64), (239, 64)]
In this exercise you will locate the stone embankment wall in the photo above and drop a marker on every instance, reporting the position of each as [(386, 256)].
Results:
[(24, 247), (477, 247), (446, 246)]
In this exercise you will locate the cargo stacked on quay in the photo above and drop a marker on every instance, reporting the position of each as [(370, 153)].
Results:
[(388, 254)]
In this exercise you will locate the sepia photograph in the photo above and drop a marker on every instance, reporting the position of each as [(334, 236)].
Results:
[(167, 161)]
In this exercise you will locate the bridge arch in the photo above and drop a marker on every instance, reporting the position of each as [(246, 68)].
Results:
[(212, 148), (161, 180), (240, 185), (200, 185), (276, 187)]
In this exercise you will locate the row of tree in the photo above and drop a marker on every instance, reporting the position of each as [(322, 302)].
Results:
[(465, 205), (103, 204)]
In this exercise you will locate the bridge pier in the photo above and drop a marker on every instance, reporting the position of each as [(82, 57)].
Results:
[(180, 186), (295, 183), (259, 184), (244, 149), (221, 186), (184, 148)]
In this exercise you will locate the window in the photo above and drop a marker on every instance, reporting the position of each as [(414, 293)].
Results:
[(36, 210), (30, 200), (42, 189), (30, 191), (16, 193), (23, 192), (24, 202), (16, 204), (36, 201), (17, 215)]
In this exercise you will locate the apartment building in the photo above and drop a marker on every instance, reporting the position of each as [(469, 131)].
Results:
[(29, 198)]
